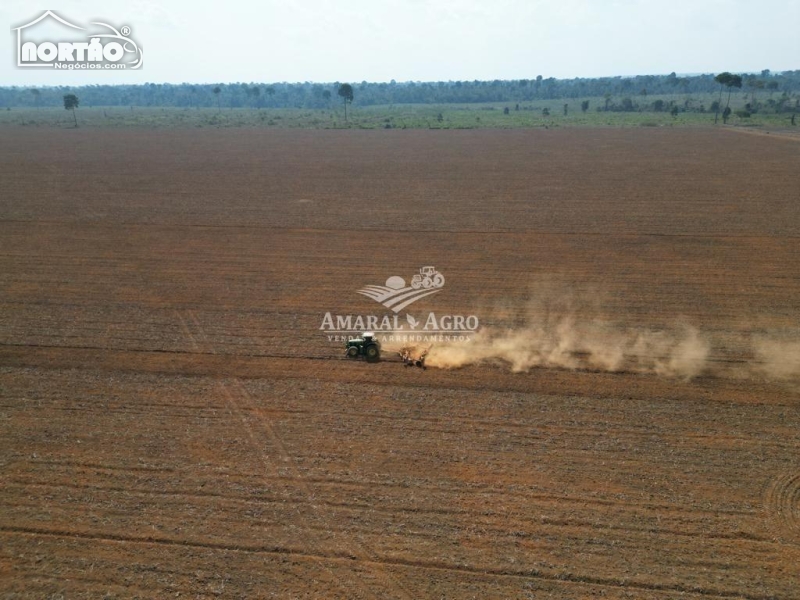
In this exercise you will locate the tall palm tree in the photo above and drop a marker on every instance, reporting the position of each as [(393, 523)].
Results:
[(722, 79), (71, 103), (346, 92)]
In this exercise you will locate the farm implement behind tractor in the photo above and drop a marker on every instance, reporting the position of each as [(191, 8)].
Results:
[(412, 358)]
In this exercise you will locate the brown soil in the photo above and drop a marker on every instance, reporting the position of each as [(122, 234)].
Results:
[(173, 423)]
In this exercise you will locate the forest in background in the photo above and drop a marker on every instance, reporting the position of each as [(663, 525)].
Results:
[(768, 92)]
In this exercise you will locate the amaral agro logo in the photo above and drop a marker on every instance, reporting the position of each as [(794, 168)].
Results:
[(397, 295), (50, 41)]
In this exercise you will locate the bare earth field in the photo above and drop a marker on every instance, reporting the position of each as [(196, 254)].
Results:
[(173, 423)]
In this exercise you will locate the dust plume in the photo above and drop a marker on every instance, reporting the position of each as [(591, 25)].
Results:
[(778, 359), (571, 344), (561, 327), (557, 328)]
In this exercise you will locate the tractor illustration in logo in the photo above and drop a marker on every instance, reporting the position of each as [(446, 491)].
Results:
[(396, 294), (428, 277)]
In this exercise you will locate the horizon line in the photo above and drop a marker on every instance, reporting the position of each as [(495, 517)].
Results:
[(404, 82)]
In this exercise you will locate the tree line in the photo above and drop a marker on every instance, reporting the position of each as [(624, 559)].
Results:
[(620, 93)]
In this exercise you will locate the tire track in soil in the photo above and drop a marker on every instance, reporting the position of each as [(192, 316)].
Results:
[(475, 517), (187, 332), (242, 404), (315, 516), (483, 490), (431, 565), (107, 467), (254, 443), (782, 505), (264, 458)]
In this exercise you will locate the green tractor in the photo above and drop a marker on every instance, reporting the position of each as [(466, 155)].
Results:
[(366, 347)]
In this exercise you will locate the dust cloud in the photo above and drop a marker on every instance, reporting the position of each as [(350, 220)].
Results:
[(571, 344), (558, 328), (777, 359)]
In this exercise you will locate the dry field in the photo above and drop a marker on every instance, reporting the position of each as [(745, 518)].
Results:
[(174, 424)]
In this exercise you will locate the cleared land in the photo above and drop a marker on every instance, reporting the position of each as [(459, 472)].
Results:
[(172, 421), (401, 116)]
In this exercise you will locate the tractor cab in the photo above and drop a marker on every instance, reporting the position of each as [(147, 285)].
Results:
[(427, 271)]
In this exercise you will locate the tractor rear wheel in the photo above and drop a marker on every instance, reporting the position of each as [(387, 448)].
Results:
[(352, 352), (372, 353)]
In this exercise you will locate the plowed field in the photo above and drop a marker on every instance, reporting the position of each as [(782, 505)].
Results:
[(173, 423)]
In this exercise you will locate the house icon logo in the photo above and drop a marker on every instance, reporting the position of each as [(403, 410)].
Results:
[(52, 42)]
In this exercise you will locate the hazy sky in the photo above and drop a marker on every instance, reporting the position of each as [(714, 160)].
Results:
[(423, 40)]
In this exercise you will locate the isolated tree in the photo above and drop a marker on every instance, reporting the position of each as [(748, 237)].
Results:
[(71, 103), (36, 94), (566, 109), (735, 81), (722, 79), (217, 90), (545, 112), (506, 110), (346, 92), (584, 106)]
